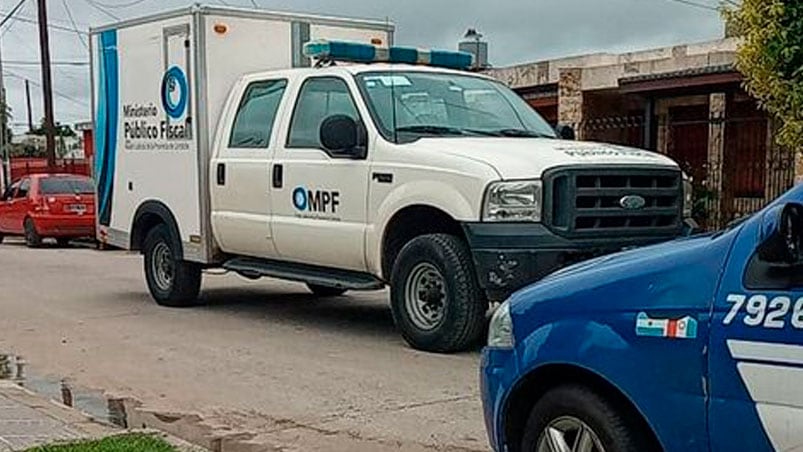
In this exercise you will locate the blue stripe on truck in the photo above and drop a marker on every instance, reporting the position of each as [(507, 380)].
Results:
[(108, 110)]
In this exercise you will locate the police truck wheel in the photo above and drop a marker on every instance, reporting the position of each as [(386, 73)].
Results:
[(32, 238), (436, 301), (171, 281), (325, 291), (575, 418)]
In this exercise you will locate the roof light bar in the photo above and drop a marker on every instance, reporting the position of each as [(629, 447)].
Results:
[(355, 52)]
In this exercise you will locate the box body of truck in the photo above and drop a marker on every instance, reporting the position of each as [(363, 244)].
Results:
[(159, 86)]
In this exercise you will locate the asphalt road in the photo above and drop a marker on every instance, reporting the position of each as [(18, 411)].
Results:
[(261, 363)]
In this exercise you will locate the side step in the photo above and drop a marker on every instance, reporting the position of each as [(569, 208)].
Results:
[(310, 274)]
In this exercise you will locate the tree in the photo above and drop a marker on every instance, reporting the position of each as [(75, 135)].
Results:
[(771, 58), (62, 130)]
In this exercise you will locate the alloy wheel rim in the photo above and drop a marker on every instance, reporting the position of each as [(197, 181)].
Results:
[(569, 434), (425, 296)]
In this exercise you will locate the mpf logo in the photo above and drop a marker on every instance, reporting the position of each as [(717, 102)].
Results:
[(175, 92), (321, 201)]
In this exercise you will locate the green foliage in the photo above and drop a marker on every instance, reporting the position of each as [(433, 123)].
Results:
[(771, 59), (62, 130), (119, 443)]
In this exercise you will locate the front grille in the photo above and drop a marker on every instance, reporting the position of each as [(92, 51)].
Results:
[(592, 202)]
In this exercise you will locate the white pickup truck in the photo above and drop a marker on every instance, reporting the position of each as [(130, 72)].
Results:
[(219, 147)]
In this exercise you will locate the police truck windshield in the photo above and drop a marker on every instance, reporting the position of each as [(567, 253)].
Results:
[(409, 105)]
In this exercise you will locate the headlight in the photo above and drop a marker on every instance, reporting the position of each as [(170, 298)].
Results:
[(513, 201), (500, 331), (688, 196)]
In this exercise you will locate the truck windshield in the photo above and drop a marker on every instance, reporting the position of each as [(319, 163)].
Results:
[(409, 105)]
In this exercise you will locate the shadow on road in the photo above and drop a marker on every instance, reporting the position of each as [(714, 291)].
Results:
[(364, 314)]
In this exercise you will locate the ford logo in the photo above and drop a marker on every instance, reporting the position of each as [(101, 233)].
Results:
[(632, 202)]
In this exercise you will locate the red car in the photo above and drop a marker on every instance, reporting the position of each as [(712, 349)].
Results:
[(61, 206)]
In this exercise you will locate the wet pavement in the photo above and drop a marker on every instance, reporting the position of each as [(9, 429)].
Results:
[(260, 366)]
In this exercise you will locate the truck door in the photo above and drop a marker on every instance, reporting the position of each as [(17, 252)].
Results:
[(319, 200), (756, 354), (241, 184)]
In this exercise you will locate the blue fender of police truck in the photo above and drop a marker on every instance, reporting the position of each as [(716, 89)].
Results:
[(695, 343)]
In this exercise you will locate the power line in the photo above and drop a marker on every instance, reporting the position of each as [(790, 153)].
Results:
[(120, 6), (82, 103), (93, 4), (13, 11), (254, 2), (696, 5), (52, 63), (74, 26), (50, 26)]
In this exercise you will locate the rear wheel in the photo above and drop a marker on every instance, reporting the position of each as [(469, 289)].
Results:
[(325, 291), (63, 242), (32, 238), (435, 297), (2, 237), (575, 418), (171, 281)]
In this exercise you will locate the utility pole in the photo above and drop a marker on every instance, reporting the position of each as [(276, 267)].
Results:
[(28, 102), (47, 84)]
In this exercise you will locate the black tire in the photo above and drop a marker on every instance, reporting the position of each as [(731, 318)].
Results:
[(182, 287), (325, 291), (32, 238), (463, 303), (616, 430), (2, 237), (63, 242)]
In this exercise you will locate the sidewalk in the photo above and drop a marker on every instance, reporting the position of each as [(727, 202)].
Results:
[(27, 420)]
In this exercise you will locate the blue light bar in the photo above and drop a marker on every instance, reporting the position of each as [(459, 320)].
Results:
[(355, 52)]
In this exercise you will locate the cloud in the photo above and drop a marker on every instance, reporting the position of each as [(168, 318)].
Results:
[(517, 30)]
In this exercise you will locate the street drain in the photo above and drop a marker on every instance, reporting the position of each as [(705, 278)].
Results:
[(14, 368)]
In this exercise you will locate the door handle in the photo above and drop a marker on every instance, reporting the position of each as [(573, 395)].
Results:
[(221, 174), (278, 175), (383, 178)]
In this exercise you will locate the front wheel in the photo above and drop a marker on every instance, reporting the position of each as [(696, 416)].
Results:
[(32, 238), (436, 300), (575, 418), (172, 282)]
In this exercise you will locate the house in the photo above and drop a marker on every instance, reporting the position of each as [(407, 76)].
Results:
[(684, 101)]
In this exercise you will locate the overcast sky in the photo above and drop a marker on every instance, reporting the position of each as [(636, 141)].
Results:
[(518, 31)]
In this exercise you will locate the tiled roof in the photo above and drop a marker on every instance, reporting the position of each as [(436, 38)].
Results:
[(705, 70)]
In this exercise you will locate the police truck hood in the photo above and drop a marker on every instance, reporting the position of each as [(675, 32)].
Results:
[(519, 158)]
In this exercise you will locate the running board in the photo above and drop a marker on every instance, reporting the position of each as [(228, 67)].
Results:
[(310, 274)]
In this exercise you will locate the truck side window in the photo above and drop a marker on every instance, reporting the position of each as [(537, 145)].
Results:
[(25, 187), (319, 98), (256, 114)]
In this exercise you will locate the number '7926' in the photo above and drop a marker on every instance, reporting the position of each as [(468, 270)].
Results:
[(765, 312)]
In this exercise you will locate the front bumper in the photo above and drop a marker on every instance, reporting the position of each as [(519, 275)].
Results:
[(509, 256), (498, 371), (73, 226)]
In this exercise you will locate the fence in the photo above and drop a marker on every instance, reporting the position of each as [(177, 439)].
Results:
[(23, 166), (735, 167)]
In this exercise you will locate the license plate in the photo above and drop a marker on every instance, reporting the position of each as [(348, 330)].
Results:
[(76, 208)]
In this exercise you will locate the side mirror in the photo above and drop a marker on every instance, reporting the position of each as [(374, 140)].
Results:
[(343, 136), (782, 236), (565, 132)]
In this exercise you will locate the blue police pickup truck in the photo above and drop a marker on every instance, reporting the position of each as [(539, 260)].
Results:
[(691, 345)]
